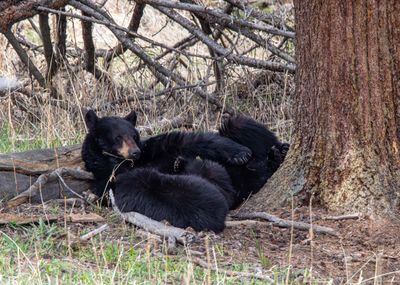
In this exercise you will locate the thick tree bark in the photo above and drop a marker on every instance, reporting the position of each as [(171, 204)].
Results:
[(346, 143)]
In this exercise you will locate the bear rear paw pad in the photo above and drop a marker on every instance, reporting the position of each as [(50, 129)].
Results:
[(179, 164), (240, 158)]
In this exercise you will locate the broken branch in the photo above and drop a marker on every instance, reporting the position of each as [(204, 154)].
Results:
[(276, 221)]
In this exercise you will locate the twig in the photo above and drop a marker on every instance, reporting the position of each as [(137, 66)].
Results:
[(152, 226), (95, 232), (45, 178), (276, 221), (251, 11), (238, 25), (110, 23), (227, 54), (231, 224), (204, 264), (72, 191), (354, 216), (133, 27), (162, 73), (219, 16), (149, 95)]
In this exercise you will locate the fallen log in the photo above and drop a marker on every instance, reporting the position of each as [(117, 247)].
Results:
[(19, 171)]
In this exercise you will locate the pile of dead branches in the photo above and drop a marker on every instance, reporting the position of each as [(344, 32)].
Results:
[(218, 27)]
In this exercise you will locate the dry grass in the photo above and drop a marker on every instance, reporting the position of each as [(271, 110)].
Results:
[(26, 123), (43, 254)]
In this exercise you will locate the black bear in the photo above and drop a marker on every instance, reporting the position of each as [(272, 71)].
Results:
[(209, 170), (267, 155), (188, 179), (145, 181)]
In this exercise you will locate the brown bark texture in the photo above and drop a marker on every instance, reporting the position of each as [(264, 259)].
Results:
[(345, 151), (12, 11)]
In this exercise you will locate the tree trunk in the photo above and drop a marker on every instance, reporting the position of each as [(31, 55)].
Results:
[(345, 150)]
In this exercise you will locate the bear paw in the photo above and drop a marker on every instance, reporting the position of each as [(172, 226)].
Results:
[(240, 158), (179, 164)]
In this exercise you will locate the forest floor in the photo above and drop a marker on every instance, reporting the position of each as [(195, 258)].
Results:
[(367, 251)]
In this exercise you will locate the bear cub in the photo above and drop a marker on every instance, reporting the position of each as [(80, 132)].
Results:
[(187, 178)]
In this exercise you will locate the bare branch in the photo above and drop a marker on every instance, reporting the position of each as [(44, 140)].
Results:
[(48, 46), (163, 74), (45, 178), (220, 16), (61, 35), (33, 70), (133, 27), (233, 58), (276, 221)]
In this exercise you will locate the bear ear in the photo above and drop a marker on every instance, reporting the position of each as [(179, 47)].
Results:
[(91, 119), (131, 118)]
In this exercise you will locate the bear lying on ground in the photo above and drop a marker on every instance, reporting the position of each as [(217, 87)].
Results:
[(198, 193), (145, 181)]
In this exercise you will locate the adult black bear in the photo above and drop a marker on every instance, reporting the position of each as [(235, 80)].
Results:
[(145, 181), (161, 177)]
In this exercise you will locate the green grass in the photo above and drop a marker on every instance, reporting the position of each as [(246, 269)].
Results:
[(41, 254), (19, 140)]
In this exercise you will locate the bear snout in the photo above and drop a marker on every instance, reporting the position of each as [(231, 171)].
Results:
[(135, 154), (129, 149)]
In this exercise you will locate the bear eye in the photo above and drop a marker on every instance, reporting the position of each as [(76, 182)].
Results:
[(118, 139)]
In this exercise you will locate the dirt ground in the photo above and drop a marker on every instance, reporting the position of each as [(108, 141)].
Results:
[(367, 249)]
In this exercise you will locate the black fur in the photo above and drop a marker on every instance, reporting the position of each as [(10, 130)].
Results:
[(267, 155), (145, 180), (100, 147), (162, 177), (211, 171), (182, 200)]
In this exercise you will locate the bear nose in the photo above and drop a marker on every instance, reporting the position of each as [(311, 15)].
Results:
[(135, 154)]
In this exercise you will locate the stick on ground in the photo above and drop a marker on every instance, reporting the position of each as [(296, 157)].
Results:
[(276, 221), (204, 264)]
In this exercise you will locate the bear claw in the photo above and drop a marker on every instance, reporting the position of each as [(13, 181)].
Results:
[(240, 158)]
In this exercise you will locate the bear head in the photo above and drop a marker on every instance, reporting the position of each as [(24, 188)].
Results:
[(115, 136)]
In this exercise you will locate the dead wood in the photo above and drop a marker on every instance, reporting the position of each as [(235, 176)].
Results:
[(211, 266), (7, 218), (49, 54), (37, 187), (354, 216), (219, 31), (18, 171), (12, 12), (95, 232), (276, 221)]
